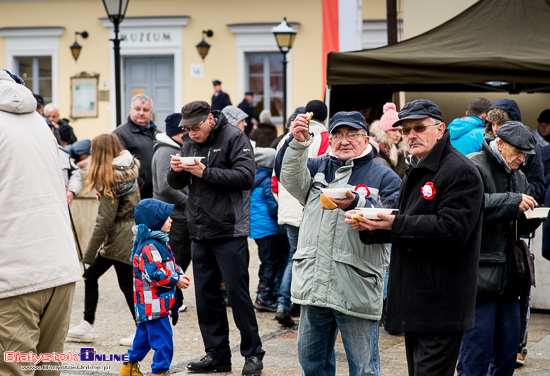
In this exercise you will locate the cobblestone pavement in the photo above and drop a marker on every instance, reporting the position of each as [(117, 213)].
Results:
[(114, 321)]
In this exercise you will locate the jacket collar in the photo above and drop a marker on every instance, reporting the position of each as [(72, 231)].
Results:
[(432, 160)]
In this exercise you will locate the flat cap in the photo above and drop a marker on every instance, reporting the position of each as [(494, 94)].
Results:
[(419, 109), (194, 112), (352, 119), (517, 135)]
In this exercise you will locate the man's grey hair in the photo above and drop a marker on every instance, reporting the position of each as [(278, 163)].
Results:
[(435, 121), (51, 106), (478, 106), (142, 98)]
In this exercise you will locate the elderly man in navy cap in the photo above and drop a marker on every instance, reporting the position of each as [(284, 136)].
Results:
[(490, 348), (435, 238), (336, 279)]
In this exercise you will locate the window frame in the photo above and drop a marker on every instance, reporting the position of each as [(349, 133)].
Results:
[(34, 42)]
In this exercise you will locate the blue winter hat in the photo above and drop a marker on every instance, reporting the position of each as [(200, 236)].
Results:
[(172, 123), (152, 213), (352, 119), (79, 148), (510, 106)]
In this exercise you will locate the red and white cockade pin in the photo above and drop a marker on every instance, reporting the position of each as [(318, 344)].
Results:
[(362, 190), (428, 190), (97, 196)]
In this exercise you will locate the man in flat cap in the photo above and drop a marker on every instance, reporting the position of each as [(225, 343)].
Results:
[(247, 105), (491, 346), (435, 238), (219, 99), (337, 280), (218, 216)]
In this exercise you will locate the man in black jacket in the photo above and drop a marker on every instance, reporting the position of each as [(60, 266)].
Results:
[(138, 136), (219, 178), (220, 99), (435, 238)]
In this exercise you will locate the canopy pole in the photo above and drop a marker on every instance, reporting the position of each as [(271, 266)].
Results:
[(391, 11)]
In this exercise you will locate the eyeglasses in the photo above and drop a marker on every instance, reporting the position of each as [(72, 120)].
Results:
[(417, 129), (196, 127), (352, 136)]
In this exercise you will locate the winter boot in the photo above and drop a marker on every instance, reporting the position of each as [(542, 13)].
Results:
[(130, 369)]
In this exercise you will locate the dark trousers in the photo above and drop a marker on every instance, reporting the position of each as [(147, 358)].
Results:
[(180, 242), (432, 353), (490, 348), (125, 276), (227, 259), (273, 253)]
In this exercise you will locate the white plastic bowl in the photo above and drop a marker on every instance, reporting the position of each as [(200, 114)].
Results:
[(371, 213), (540, 212), (189, 161), (337, 193)]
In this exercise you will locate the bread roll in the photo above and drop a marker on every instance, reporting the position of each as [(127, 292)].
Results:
[(327, 202)]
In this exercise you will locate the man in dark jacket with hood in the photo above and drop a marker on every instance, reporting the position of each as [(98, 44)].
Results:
[(138, 136), (218, 216), (435, 239), (168, 144), (490, 348)]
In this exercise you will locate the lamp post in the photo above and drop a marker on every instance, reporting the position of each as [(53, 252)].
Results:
[(116, 9), (284, 35)]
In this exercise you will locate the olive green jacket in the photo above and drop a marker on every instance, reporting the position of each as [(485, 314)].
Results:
[(112, 235)]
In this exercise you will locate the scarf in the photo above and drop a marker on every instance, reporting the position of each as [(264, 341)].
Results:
[(143, 233)]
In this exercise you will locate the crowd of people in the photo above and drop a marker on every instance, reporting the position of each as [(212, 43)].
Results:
[(442, 267)]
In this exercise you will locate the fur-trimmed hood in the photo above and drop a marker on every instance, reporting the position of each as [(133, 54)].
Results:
[(125, 173)]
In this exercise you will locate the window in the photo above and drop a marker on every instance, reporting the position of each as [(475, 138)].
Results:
[(37, 74), (264, 73)]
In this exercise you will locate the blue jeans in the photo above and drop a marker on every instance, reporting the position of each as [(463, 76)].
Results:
[(156, 335), (284, 288), (316, 337), (490, 348)]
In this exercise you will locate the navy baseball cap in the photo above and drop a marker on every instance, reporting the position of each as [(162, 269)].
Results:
[(352, 119)]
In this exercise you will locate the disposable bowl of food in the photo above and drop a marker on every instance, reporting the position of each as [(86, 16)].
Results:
[(337, 193), (189, 161), (540, 212), (372, 213)]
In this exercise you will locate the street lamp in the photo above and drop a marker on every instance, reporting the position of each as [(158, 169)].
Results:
[(75, 47), (204, 46), (116, 9), (284, 35)]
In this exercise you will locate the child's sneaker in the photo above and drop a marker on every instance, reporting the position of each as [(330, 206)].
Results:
[(84, 332)]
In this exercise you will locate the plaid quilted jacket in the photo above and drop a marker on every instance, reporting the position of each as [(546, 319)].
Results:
[(155, 276)]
